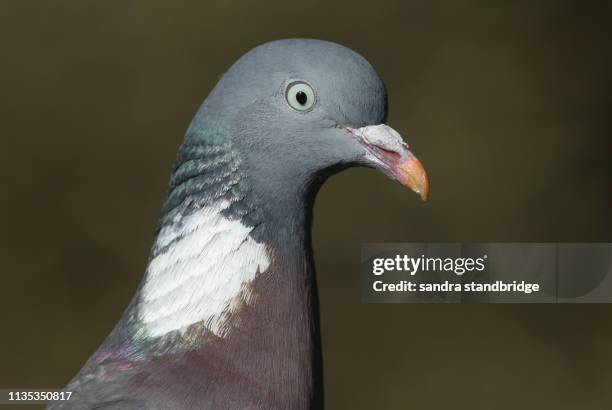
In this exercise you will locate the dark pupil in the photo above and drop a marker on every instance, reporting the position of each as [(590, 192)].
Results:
[(301, 97)]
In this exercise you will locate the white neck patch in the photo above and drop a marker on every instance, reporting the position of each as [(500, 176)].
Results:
[(208, 263)]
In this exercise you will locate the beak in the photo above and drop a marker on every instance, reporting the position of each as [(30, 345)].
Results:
[(386, 150)]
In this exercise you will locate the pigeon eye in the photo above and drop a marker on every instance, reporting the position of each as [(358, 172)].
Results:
[(300, 96)]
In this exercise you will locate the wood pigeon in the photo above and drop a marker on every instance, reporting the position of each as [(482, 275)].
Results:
[(226, 316)]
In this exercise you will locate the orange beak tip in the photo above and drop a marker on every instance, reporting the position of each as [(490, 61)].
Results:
[(414, 176)]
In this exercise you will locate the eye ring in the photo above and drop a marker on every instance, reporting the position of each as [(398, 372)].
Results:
[(300, 96)]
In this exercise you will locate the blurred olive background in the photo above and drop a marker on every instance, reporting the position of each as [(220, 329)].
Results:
[(507, 104)]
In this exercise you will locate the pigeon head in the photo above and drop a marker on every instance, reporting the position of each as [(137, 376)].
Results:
[(300, 110)]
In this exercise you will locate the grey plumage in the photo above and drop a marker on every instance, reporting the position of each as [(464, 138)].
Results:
[(249, 150)]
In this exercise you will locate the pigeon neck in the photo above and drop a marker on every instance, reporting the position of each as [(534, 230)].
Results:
[(240, 290), (280, 331), (231, 278)]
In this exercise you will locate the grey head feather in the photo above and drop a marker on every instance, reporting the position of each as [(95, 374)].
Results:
[(247, 145)]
